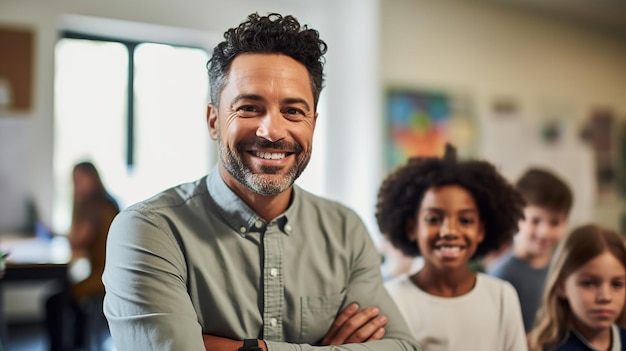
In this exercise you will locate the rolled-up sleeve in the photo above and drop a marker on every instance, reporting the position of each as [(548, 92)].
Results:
[(146, 303)]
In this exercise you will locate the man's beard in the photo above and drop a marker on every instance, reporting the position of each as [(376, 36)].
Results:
[(268, 182)]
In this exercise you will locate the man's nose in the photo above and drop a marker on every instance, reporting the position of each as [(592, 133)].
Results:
[(272, 126)]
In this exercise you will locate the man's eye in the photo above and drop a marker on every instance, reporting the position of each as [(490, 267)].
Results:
[(293, 111), (247, 110), (618, 284)]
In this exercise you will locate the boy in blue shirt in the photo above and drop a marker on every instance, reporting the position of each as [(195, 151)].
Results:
[(548, 203)]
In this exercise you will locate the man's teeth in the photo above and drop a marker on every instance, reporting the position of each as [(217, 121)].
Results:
[(450, 248), (269, 155)]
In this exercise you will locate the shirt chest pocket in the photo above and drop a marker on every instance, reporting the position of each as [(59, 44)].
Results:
[(318, 313)]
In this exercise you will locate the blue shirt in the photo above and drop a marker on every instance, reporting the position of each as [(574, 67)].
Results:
[(576, 342), (527, 281)]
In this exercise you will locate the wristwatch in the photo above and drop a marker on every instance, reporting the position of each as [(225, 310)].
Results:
[(250, 345)]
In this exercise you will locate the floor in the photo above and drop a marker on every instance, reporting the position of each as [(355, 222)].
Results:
[(32, 337), (26, 337)]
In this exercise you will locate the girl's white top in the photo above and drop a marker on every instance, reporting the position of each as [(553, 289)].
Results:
[(488, 318)]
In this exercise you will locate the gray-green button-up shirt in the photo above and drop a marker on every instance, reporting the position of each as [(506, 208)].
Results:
[(196, 259)]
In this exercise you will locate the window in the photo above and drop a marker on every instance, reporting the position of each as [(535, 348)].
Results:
[(142, 142)]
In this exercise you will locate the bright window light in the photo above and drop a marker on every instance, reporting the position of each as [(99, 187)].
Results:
[(170, 134)]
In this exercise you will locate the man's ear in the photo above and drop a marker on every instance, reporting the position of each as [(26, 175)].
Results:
[(410, 228), (211, 119)]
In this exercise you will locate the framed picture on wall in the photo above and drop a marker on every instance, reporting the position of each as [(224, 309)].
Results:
[(420, 122)]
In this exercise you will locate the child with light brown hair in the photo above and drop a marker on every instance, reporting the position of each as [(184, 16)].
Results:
[(584, 294)]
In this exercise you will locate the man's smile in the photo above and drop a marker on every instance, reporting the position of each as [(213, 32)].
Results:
[(269, 155)]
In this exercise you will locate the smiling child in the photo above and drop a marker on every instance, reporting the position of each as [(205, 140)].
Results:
[(451, 211)]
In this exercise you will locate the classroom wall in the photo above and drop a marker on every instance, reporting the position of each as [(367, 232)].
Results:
[(547, 66), (484, 49)]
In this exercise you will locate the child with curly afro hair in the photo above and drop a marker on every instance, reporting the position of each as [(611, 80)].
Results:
[(450, 211)]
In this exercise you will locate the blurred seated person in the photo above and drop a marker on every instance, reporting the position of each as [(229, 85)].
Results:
[(93, 211)]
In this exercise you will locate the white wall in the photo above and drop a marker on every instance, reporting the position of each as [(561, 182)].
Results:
[(491, 51)]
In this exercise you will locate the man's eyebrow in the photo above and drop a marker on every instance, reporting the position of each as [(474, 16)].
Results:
[(240, 97), (297, 101)]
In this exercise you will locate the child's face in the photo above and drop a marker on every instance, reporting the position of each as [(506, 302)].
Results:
[(540, 230), (596, 292), (448, 227)]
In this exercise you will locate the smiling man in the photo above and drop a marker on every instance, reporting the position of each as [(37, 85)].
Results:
[(243, 259)]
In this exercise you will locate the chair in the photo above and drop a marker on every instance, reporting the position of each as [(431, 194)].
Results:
[(96, 329)]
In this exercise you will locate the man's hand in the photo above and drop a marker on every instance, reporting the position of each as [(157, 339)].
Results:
[(216, 343), (350, 326), (354, 326)]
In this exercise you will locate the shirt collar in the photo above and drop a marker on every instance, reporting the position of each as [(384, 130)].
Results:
[(237, 213), (616, 343)]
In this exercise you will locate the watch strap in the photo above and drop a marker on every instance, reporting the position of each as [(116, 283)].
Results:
[(250, 345)]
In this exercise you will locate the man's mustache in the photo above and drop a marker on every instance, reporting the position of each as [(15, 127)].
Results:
[(261, 143)]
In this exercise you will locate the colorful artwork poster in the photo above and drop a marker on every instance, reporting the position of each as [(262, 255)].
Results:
[(420, 123)]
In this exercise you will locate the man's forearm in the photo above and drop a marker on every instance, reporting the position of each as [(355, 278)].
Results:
[(380, 345), (216, 343)]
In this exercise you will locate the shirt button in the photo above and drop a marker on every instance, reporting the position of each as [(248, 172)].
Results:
[(243, 229), (287, 228), (258, 224), (273, 322), (273, 272)]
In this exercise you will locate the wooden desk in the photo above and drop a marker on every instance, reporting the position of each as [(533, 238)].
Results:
[(32, 259)]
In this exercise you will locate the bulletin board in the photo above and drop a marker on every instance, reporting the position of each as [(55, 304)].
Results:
[(16, 69)]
